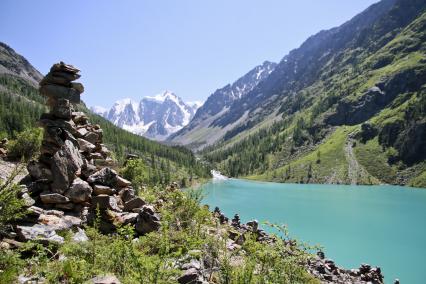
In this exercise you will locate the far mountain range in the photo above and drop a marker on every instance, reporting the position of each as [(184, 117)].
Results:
[(155, 117)]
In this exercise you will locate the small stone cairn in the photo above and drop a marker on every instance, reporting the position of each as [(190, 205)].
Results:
[(72, 178)]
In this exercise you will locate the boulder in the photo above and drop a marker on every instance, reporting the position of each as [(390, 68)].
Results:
[(136, 202), (60, 92), (127, 194), (28, 201), (80, 236), (81, 132), (60, 221), (122, 182), (62, 67), (66, 164), (104, 202), (105, 176), (102, 189), (79, 191), (49, 198), (38, 232), (190, 276), (39, 171), (56, 79), (126, 218), (78, 86), (65, 206), (88, 169), (92, 137), (147, 221), (85, 146), (61, 109), (81, 119), (109, 279)]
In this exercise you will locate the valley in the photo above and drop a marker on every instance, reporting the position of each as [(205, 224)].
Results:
[(292, 172)]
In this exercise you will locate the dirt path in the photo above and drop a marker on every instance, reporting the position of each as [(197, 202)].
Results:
[(355, 170)]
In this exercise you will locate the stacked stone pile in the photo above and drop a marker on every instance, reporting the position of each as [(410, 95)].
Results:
[(72, 174)]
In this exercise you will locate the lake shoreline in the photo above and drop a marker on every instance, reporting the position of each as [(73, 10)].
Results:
[(376, 220)]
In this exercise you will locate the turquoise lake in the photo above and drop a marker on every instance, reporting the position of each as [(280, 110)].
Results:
[(380, 225)]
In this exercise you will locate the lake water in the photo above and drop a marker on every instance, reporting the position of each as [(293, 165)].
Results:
[(379, 225)]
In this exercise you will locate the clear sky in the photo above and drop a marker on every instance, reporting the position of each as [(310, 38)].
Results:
[(142, 47)]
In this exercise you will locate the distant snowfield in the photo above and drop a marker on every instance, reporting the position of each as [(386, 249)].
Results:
[(155, 117)]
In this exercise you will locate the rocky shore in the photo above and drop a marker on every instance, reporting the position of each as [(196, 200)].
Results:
[(73, 183)]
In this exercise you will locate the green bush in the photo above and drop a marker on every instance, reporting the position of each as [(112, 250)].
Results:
[(11, 207), (26, 145)]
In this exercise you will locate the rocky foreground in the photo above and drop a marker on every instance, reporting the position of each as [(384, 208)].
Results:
[(72, 185)]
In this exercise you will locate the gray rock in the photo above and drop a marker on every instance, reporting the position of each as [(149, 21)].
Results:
[(65, 206), (80, 236), (39, 170), (104, 202), (67, 162), (192, 264), (85, 146), (147, 221), (28, 200), (127, 194), (63, 67), (78, 86), (38, 232), (105, 176), (61, 109), (30, 279), (49, 198), (79, 191), (60, 92), (59, 221), (136, 202), (88, 169), (92, 137), (109, 279), (126, 218), (81, 132), (190, 276), (122, 182), (102, 189)]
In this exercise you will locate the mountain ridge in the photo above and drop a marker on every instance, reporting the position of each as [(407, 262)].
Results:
[(341, 85), (155, 117), (219, 103)]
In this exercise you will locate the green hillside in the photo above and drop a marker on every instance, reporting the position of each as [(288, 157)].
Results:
[(361, 120)]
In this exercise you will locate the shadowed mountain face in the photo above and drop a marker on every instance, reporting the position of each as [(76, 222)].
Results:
[(218, 105), (14, 64), (153, 117)]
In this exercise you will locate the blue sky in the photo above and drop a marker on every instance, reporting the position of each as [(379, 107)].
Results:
[(140, 48)]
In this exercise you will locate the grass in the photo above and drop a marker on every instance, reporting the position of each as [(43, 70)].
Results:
[(188, 231), (327, 163), (372, 157), (419, 181)]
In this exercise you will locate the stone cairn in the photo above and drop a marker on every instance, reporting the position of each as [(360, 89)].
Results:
[(72, 179)]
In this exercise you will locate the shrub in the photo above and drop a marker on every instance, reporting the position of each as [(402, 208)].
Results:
[(26, 145), (11, 207)]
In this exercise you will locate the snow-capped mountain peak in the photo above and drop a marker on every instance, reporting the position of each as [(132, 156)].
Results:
[(155, 117), (164, 96)]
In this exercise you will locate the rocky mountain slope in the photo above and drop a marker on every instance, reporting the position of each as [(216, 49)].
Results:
[(347, 106), (202, 130), (154, 117)]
